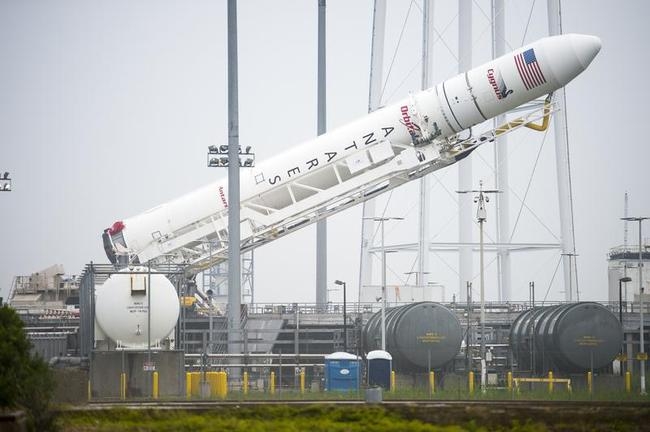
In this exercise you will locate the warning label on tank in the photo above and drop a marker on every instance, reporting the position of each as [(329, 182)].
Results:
[(137, 307), (431, 337), (588, 341)]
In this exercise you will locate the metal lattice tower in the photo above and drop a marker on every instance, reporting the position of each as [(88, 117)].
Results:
[(503, 246)]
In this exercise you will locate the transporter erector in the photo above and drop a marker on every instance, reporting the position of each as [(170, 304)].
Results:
[(353, 163)]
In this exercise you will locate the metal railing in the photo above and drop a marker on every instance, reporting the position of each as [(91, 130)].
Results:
[(373, 307)]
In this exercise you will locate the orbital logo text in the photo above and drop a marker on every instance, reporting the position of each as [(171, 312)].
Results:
[(406, 119)]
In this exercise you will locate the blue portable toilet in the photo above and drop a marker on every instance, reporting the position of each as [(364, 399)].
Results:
[(341, 372), (380, 364)]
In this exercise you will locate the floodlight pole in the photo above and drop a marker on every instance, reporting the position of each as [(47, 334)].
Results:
[(321, 102), (149, 374), (383, 289), (620, 313), (234, 237), (641, 324), (345, 316), (620, 297), (211, 324)]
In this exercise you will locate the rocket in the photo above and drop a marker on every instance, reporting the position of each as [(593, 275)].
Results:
[(353, 163)]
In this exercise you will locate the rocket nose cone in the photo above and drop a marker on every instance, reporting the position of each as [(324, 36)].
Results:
[(586, 47), (568, 55)]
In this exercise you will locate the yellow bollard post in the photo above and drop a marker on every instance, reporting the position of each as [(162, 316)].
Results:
[(245, 384), (211, 378), (302, 381), (589, 382), (393, 385), (470, 382), (90, 394), (272, 383), (196, 384), (154, 390), (432, 382), (188, 385), (123, 386), (628, 381), (550, 381), (509, 380), (222, 384)]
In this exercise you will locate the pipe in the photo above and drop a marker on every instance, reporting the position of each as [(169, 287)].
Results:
[(67, 361)]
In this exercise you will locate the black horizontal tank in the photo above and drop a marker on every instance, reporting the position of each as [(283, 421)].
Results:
[(418, 335), (570, 338)]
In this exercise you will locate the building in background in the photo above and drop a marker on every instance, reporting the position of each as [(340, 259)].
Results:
[(624, 261), (48, 303)]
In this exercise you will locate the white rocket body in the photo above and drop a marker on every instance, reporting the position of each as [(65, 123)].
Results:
[(354, 160)]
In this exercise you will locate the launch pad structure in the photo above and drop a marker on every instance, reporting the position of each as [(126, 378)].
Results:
[(353, 164), (289, 339), (358, 162), (465, 247)]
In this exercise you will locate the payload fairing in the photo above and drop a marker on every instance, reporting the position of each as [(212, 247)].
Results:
[(353, 163)]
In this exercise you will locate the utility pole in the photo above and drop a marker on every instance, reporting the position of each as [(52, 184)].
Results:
[(481, 216), (642, 354), (531, 294), (381, 220), (345, 316), (468, 339)]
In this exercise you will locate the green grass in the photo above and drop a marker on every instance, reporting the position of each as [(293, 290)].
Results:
[(352, 418), (539, 393), (312, 418)]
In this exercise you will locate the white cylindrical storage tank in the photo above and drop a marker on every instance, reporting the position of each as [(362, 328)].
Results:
[(122, 308)]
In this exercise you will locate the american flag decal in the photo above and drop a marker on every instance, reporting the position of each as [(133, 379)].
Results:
[(529, 70)]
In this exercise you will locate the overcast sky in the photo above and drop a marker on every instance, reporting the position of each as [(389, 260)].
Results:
[(107, 108)]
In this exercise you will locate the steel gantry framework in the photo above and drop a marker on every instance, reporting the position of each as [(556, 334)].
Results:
[(503, 246)]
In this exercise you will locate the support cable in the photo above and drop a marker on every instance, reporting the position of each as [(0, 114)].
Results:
[(489, 18), (530, 15), (408, 75), (449, 266), (552, 279), (399, 41), (519, 198), (523, 200)]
